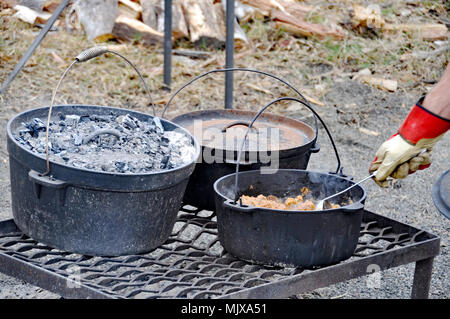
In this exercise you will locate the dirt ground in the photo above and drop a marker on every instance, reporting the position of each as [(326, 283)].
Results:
[(360, 117)]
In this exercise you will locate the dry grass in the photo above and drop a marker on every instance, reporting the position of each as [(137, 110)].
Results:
[(311, 65)]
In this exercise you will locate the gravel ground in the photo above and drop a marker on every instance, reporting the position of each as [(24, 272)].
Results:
[(350, 106)]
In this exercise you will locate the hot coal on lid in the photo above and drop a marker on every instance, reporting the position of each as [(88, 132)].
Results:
[(108, 143)]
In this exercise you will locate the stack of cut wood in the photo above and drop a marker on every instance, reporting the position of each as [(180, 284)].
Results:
[(203, 21), (200, 21)]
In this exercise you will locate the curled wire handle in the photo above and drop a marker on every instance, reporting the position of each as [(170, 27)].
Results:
[(226, 127), (236, 181), (91, 53), (243, 70), (94, 52), (108, 131), (84, 56)]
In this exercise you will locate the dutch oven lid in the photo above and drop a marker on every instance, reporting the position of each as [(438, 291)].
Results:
[(95, 179), (224, 130), (441, 194)]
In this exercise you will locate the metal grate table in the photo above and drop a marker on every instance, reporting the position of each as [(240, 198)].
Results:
[(193, 264)]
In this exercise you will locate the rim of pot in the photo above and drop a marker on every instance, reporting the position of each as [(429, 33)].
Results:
[(310, 140), (196, 144), (350, 207)]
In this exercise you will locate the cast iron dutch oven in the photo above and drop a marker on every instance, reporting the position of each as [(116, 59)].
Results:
[(297, 141), (294, 238), (441, 194), (92, 212)]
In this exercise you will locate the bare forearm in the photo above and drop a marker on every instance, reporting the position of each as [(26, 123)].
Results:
[(438, 100)]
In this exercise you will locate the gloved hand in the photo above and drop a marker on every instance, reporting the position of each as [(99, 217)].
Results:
[(402, 153)]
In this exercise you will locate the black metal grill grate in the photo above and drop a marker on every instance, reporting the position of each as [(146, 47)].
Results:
[(191, 264)]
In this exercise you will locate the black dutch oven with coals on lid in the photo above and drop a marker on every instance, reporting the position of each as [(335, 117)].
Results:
[(275, 142), (90, 211), (289, 237)]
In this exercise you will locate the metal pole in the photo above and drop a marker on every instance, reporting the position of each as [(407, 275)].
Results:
[(34, 45), (229, 51), (167, 43)]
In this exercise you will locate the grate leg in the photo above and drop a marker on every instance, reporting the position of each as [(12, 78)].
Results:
[(422, 278)]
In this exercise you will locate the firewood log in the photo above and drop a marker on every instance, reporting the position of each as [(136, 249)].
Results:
[(96, 17), (298, 26), (371, 18), (240, 39), (179, 26), (427, 32), (130, 9), (150, 11), (202, 21), (290, 6), (153, 16), (31, 16), (132, 29)]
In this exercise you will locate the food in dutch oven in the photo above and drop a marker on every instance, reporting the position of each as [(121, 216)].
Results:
[(108, 143), (298, 202)]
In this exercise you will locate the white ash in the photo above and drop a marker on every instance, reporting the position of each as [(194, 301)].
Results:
[(141, 147)]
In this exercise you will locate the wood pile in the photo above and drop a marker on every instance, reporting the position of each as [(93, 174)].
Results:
[(202, 22)]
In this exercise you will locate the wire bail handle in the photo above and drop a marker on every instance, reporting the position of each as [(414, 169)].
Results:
[(84, 56), (242, 70), (236, 182)]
